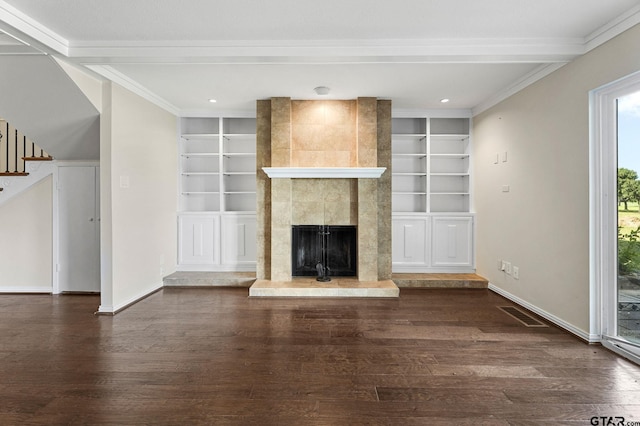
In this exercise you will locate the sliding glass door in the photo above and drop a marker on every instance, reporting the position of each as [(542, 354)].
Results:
[(615, 216), (627, 288)]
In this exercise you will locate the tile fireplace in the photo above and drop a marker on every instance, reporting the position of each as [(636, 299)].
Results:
[(309, 141)]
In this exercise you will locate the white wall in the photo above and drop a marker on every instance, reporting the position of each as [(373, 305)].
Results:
[(542, 224), (139, 202), (40, 99), (26, 243), (91, 86)]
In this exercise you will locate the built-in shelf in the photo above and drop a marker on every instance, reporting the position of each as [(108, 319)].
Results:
[(218, 160), (324, 172), (431, 162)]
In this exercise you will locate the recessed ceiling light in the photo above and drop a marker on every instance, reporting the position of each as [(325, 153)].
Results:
[(321, 90), (445, 100), (213, 101)]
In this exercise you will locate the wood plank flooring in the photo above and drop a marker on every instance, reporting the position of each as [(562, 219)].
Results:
[(215, 356)]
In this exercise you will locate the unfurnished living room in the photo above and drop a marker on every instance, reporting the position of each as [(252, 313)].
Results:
[(355, 212)]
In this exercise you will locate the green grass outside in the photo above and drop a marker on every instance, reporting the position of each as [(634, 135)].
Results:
[(628, 251)]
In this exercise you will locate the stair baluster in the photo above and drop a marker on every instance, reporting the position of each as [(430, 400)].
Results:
[(19, 153), (7, 143), (15, 151)]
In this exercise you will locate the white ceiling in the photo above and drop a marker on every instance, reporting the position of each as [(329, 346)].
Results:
[(181, 53)]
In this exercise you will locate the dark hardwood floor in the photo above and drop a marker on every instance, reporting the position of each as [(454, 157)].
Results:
[(214, 356)]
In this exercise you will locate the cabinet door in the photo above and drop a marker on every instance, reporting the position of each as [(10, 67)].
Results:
[(409, 243), (452, 241), (239, 241), (197, 236)]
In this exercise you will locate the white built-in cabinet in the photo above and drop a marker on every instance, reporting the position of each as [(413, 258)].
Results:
[(217, 220), (432, 224), (431, 188)]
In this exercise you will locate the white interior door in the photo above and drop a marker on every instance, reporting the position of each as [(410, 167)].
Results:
[(79, 245)]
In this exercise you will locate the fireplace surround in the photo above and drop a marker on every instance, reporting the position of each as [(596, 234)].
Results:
[(313, 138)]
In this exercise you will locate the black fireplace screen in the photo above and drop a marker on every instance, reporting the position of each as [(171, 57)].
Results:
[(324, 249)]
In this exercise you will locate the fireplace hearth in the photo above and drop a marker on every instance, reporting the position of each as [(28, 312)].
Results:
[(324, 251)]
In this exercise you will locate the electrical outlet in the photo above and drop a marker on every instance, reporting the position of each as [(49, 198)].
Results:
[(516, 272)]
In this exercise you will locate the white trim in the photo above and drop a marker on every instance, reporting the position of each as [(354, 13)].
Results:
[(590, 338), (129, 84), (204, 113), (30, 289), (400, 268), (621, 348), (55, 231), (324, 172), (121, 306), (526, 80), (603, 227), (210, 267), (612, 29), (431, 113), (32, 29), (432, 50)]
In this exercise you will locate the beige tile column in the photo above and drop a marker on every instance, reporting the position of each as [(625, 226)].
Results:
[(367, 190), (367, 230), (281, 230), (281, 200), (367, 132), (280, 132), (384, 190), (263, 190)]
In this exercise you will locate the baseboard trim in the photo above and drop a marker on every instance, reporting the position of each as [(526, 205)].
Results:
[(421, 269), (589, 338), (30, 290), (217, 268), (112, 310)]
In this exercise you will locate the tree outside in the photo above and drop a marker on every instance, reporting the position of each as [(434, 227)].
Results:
[(628, 222)]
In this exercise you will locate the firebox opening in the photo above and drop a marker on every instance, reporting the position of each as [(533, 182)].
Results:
[(324, 251)]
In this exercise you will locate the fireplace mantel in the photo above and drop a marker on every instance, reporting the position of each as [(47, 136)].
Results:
[(325, 172)]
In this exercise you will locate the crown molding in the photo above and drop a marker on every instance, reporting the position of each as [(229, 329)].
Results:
[(201, 112), (612, 29), (31, 28), (129, 84), (530, 78), (98, 55), (331, 51), (431, 113)]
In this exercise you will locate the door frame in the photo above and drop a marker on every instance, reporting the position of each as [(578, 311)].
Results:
[(603, 225)]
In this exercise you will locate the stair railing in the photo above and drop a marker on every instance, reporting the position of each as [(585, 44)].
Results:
[(14, 149)]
